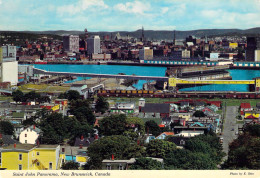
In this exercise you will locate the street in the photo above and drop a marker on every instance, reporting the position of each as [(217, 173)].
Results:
[(230, 127)]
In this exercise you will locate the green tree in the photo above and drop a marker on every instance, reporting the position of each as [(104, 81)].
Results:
[(113, 125), (199, 114), (105, 147), (206, 144), (152, 127), (81, 110), (6, 128), (71, 165), (244, 151), (159, 148), (146, 164), (18, 96), (187, 160), (32, 96), (72, 95), (101, 105), (134, 128)]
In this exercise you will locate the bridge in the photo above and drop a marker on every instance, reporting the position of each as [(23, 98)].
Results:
[(133, 77), (173, 82)]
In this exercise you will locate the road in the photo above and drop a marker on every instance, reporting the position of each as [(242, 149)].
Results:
[(230, 127)]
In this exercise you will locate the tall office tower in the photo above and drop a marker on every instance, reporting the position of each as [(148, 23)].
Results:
[(93, 43), (71, 43), (250, 49)]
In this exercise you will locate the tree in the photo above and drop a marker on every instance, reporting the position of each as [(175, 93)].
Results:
[(185, 159), (72, 95), (18, 96), (113, 125), (134, 128), (206, 144), (159, 148), (146, 164), (244, 151), (199, 114), (101, 105), (152, 127), (32, 96), (81, 110), (71, 165), (6, 128), (56, 128), (105, 147)]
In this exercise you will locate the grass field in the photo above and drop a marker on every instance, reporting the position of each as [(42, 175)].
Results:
[(43, 88)]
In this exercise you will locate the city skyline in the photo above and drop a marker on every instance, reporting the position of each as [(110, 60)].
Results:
[(129, 15)]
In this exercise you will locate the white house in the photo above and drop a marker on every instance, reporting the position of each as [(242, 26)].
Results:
[(29, 135)]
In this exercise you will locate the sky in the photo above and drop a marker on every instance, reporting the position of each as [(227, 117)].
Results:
[(128, 15)]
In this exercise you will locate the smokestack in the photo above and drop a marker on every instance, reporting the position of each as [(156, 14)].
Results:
[(14, 145)]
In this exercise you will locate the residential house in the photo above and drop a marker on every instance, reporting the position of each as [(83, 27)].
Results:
[(29, 135), (74, 153), (188, 131), (164, 135), (245, 107), (127, 108), (30, 157), (17, 118), (156, 108), (7, 140), (122, 164)]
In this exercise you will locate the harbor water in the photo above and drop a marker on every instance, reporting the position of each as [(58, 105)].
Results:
[(237, 74)]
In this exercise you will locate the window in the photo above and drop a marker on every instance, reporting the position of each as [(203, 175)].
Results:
[(38, 163), (20, 157), (38, 153), (25, 135), (25, 141), (50, 166), (108, 166), (20, 167)]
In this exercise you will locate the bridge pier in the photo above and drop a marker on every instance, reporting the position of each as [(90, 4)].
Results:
[(257, 85)]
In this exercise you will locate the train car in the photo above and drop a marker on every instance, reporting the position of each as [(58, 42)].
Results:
[(145, 91), (140, 91), (134, 91), (118, 91), (128, 91), (112, 91), (150, 92)]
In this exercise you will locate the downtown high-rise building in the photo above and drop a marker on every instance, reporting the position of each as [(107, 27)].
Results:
[(71, 43), (93, 45)]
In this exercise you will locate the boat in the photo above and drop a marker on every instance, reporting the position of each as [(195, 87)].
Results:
[(38, 61)]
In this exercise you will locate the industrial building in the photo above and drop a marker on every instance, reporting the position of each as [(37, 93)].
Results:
[(71, 43)]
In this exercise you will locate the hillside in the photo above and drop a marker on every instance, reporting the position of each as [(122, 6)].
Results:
[(149, 34)]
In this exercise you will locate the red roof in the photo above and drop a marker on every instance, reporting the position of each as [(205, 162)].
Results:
[(161, 125), (168, 133), (245, 106)]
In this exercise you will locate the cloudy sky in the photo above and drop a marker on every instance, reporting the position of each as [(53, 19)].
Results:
[(129, 15)]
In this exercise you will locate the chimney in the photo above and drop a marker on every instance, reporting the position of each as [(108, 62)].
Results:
[(96, 136), (34, 127), (37, 142), (113, 157), (80, 146), (81, 138), (14, 145), (1, 136)]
